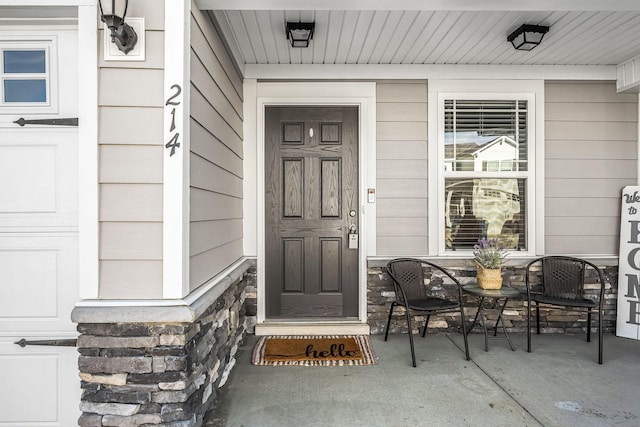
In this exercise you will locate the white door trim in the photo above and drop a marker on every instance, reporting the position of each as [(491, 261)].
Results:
[(360, 94)]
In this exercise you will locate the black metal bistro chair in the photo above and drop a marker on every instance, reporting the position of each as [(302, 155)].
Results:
[(414, 294), (562, 283)]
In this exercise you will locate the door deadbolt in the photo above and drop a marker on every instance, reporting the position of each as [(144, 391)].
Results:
[(352, 213)]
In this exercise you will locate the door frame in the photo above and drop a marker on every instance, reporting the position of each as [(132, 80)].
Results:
[(360, 94)]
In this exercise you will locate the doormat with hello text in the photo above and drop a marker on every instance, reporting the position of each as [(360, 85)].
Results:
[(309, 350)]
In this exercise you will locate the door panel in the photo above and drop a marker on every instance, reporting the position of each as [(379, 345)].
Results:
[(39, 244), (311, 163)]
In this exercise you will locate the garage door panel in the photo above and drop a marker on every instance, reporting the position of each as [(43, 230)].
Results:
[(39, 183), (34, 275), (28, 174), (34, 378)]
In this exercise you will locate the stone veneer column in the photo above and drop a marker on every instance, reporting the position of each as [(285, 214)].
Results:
[(165, 373)]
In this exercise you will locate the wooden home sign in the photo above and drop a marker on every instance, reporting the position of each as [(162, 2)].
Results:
[(628, 324)]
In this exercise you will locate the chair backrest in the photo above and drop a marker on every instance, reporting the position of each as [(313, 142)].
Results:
[(564, 277), (409, 274)]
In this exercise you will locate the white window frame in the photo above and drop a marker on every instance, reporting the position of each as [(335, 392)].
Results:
[(530, 90), (49, 45)]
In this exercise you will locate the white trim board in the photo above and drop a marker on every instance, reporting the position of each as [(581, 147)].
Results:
[(426, 71), (88, 204), (302, 93), (490, 5)]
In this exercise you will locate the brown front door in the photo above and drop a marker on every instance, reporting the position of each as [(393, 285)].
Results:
[(311, 204)]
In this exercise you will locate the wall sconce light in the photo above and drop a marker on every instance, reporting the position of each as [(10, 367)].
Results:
[(527, 36), (300, 34), (124, 37)]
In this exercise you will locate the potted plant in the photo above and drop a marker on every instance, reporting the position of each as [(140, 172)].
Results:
[(489, 257)]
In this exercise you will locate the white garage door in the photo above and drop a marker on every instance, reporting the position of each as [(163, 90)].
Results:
[(38, 227)]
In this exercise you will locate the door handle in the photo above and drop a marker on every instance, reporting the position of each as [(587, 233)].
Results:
[(62, 342)]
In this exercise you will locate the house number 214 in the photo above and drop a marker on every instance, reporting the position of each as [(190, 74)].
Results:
[(173, 101)]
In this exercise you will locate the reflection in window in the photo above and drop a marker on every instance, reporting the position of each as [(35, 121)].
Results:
[(24, 76), (485, 135), (25, 91), (24, 61), (485, 207)]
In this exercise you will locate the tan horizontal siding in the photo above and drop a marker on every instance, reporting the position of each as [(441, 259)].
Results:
[(216, 154), (128, 87), (210, 119), (131, 125), (400, 131), (574, 207), (206, 265), (202, 233), (591, 154), (131, 164), (402, 246), (582, 245), (209, 147), (401, 227), (205, 83), (399, 188), (397, 150), (206, 175), (402, 168), (573, 149), (140, 164), (227, 207), (131, 240), (407, 168), (402, 208), (585, 92), (217, 45), (137, 279), (578, 189), (131, 202), (591, 169)]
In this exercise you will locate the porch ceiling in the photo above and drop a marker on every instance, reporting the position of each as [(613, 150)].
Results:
[(584, 32)]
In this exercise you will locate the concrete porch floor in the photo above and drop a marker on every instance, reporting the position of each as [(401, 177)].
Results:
[(559, 384)]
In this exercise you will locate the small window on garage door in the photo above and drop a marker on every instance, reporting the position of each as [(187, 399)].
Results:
[(27, 83)]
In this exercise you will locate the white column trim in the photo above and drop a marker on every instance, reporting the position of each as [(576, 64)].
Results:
[(88, 202), (175, 227), (250, 168)]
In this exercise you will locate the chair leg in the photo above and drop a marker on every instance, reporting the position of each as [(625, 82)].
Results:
[(464, 333), (426, 323), (413, 353), (386, 334), (537, 318), (529, 326), (589, 325), (600, 343)]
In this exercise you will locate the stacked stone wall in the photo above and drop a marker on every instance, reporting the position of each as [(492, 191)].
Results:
[(552, 320), (161, 374)]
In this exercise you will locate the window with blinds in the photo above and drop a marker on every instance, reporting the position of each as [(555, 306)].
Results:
[(486, 169)]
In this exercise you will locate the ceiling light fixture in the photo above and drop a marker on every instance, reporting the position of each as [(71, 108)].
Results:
[(527, 36), (300, 34)]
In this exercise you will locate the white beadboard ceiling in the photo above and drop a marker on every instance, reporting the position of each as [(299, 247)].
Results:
[(582, 32)]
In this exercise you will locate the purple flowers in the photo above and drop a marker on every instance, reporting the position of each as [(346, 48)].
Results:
[(488, 253)]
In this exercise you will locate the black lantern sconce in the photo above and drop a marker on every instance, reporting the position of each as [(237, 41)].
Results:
[(527, 36), (124, 37), (300, 34)]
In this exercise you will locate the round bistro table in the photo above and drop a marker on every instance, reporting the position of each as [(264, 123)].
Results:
[(494, 296)]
